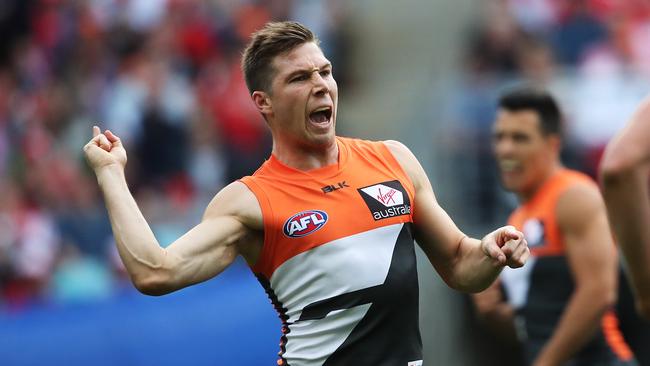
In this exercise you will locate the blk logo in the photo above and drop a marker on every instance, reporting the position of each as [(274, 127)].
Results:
[(304, 223), (334, 187)]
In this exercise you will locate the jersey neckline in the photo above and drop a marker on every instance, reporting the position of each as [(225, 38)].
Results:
[(327, 171)]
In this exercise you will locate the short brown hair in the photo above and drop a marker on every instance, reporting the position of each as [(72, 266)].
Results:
[(273, 39)]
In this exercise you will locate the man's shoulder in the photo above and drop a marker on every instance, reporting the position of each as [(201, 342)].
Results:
[(579, 202), (400, 152), (386, 148), (239, 201), (358, 142), (574, 185), (563, 183), (577, 177)]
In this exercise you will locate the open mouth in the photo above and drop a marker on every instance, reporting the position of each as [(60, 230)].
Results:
[(321, 115), (508, 165)]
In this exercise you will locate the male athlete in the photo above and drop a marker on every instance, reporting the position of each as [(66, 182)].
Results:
[(562, 297), (624, 173), (326, 223)]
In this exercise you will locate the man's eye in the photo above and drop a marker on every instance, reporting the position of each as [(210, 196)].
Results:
[(299, 78), (325, 73), (520, 138)]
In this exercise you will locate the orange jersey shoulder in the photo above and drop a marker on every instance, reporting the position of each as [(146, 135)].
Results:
[(537, 217)]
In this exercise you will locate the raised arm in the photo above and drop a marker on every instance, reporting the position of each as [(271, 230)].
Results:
[(464, 263), (625, 170), (228, 227), (593, 262)]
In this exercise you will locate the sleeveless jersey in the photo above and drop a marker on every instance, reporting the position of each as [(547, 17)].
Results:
[(338, 260), (541, 289)]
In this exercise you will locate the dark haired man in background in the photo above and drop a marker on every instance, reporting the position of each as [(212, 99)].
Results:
[(561, 300)]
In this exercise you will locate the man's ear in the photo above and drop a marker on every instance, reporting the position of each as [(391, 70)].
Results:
[(555, 142), (263, 102)]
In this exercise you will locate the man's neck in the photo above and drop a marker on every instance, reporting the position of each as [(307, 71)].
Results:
[(306, 157), (528, 195)]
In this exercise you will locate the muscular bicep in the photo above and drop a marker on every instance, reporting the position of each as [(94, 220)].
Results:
[(588, 241), (205, 250), (435, 232), (231, 226)]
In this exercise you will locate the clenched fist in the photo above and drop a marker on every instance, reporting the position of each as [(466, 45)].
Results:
[(506, 246), (104, 149)]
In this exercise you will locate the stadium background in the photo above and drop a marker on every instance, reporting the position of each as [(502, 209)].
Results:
[(164, 74)]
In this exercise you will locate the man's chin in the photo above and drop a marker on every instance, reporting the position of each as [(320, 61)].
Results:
[(509, 185)]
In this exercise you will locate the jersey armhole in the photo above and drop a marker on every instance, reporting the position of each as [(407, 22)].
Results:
[(263, 262), (410, 187)]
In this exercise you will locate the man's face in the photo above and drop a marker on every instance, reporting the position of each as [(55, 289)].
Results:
[(303, 97), (524, 154)]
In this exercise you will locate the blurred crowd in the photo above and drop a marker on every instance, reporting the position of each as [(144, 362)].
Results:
[(593, 55), (164, 75)]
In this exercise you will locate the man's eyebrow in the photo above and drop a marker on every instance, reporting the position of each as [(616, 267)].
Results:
[(307, 70)]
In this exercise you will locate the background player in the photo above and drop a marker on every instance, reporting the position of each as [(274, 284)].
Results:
[(564, 294)]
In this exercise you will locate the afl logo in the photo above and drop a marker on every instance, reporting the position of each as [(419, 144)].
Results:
[(304, 223)]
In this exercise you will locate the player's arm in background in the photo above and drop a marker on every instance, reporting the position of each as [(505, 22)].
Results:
[(464, 263), (591, 255), (207, 249), (625, 170), (496, 314)]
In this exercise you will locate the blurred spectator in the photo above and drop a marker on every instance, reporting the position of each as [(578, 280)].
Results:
[(165, 76), (79, 278), (492, 45), (578, 29)]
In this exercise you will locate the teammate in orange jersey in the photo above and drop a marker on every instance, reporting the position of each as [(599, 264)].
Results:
[(624, 173), (564, 295), (326, 223)]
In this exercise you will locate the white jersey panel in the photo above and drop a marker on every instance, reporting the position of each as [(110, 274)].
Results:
[(311, 342), (344, 265), (516, 282)]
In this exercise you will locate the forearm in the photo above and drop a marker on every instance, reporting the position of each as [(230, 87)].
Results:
[(473, 270), (578, 324), (626, 194), (135, 241)]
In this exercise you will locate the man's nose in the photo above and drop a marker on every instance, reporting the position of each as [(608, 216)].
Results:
[(320, 85), (503, 146)]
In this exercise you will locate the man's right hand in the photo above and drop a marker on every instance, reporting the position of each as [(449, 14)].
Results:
[(104, 150)]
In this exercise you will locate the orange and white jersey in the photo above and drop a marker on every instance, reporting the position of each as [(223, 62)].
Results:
[(541, 289), (338, 260)]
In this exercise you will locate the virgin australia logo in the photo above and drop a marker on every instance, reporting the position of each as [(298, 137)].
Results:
[(385, 195), (386, 199)]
